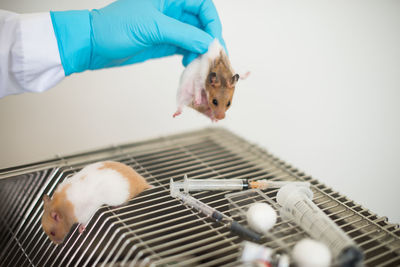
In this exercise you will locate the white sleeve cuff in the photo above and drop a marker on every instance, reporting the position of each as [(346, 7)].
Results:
[(34, 63)]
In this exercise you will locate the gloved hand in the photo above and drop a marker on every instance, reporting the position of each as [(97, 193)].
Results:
[(131, 31)]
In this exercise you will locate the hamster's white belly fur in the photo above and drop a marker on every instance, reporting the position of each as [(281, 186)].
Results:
[(194, 76), (92, 187)]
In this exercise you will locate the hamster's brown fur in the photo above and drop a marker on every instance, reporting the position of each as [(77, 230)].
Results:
[(220, 86), (58, 215)]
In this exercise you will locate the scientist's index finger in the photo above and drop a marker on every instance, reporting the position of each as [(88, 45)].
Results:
[(183, 35), (191, 19), (208, 15)]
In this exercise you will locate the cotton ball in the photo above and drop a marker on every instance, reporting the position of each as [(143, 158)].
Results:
[(261, 217), (311, 253)]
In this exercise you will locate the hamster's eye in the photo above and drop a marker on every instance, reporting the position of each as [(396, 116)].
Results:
[(229, 103), (52, 233), (215, 102)]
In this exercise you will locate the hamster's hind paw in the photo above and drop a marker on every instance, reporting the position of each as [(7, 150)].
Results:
[(177, 113), (81, 228), (244, 76)]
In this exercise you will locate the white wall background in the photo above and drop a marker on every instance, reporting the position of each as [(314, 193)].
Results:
[(323, 95)]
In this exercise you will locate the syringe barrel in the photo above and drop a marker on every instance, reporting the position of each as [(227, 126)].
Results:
[(216, 215), (190, 185), (297, 205), (196, 204)]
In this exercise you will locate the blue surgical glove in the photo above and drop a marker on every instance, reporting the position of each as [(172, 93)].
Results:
[(131, 31)]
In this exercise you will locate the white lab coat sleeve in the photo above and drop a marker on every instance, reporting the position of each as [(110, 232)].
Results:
[(29, 56)]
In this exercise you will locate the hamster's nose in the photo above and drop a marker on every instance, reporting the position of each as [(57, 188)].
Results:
[(57, 241), (220, 115)]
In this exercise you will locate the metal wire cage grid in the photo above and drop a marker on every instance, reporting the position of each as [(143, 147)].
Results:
[(155, 229)]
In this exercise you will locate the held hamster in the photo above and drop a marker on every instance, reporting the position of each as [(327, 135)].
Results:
[(208, 83), (76, 199)]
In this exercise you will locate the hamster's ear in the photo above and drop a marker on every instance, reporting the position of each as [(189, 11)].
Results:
[(233, 80), (212, 78), (46, 201)]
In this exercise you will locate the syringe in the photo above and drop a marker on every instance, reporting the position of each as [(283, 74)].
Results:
[(191, 185), (297, 204), (233, 225)]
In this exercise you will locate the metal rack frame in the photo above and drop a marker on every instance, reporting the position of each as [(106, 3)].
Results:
[(154, 229)]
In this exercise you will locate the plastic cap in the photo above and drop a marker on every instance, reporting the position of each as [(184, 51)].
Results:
[(291, 189), (172, 189)]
